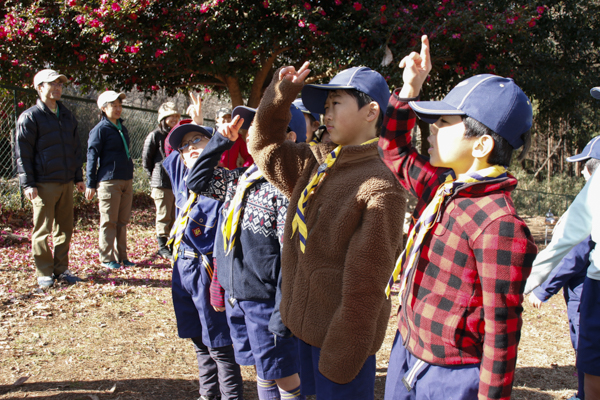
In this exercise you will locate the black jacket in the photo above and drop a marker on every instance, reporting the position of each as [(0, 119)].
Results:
[(152, 158), (106, 152), (47, 147)]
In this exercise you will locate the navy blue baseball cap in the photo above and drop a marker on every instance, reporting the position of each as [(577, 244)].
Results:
[(298, 103), (297, 123), (595, 92), (591, 150), (496, 102), (362, 79), (184, 127)]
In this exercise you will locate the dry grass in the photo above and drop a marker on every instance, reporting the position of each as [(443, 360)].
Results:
[(114, 336)]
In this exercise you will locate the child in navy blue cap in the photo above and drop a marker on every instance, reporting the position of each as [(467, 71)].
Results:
[(248, 258), (344, 229), (193, 237), (463, 271)]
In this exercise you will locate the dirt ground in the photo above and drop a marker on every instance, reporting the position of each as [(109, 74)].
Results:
[(114, 335)]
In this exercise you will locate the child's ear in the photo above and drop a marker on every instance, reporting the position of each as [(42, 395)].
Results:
[(483, 146), (373, 111), (291, 136)]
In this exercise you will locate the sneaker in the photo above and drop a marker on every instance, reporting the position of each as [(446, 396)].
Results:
[(111, 265), (127, 263), (68, 277), (45, 281), (204, 397)]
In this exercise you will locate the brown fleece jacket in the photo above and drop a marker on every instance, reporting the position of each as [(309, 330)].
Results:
[(333, 294)]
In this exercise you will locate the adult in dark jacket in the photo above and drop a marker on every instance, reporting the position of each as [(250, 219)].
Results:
[(110, 171), (48, 154), (162, 193)]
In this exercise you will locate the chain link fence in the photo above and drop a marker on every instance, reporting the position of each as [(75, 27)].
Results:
[(14, 100)]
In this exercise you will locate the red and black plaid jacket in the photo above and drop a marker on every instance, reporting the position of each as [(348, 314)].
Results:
[(463, 300)]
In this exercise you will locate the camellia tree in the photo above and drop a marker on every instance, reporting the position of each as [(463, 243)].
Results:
[(235, 45)]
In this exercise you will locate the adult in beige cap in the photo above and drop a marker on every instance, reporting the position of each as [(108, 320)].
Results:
[(162, 193), (48, 153), (110, 171)]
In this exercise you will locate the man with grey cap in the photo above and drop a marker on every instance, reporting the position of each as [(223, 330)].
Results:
[(581, 220), (48, 154)]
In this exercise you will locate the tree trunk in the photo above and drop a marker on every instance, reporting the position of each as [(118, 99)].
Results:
[(233, 86), (548, 159)]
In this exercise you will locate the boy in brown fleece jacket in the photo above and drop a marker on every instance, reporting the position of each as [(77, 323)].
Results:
[(344, 227)]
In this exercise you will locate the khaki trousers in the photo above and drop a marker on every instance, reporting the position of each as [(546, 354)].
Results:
[(115, 197), (165, 210), (52, 213)]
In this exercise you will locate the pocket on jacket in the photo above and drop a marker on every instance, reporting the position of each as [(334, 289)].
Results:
[(325, 287)]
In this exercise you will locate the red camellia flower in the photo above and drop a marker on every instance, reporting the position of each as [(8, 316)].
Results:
[(531, 23), (82, 57), (106, 39), (72, 3), (338, 2), (266, 4), (159, 53), (301, 24), (104, 58), (115, 7), (541, 9), (307, 6), (357, 6), (155, 87), (80, 19), (94, 23), (133, 16), (21, 104)]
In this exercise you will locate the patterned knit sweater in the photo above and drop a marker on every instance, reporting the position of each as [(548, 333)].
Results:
[(252, 270)]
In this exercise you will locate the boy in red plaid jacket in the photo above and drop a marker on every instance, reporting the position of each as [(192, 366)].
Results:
[(468, 255)]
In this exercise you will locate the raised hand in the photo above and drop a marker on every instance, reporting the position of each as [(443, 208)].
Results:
[(195, 109), (294, 76), (231, 129), (416, 68)]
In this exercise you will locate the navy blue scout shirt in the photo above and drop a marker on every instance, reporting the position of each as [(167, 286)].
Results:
[(252, 270), (106, 151), (203, 220)]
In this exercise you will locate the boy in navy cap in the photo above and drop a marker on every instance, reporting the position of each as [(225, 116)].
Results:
[(193, 237), (344, 229), (248, 258), (468, 255), (313, 121)]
